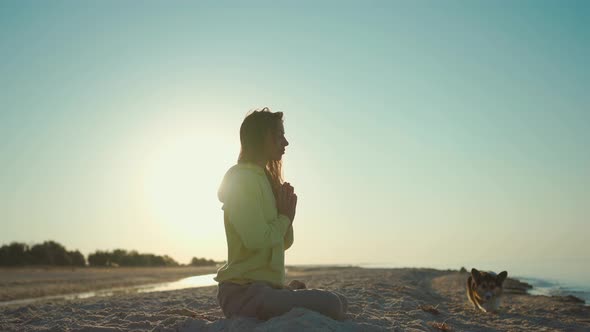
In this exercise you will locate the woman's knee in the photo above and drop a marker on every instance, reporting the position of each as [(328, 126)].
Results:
[(327, 303), (277, 302), (274, 302), (343, 301), (339, 307)]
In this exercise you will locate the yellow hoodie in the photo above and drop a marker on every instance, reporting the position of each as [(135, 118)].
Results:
[(257, 235)]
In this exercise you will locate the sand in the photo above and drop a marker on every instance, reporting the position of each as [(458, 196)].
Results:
[(379, 300), (31, 282)]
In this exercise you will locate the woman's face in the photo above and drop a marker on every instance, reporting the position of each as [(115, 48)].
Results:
[(276, 143)]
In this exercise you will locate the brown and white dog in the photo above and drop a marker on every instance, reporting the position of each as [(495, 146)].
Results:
[(484, 289)]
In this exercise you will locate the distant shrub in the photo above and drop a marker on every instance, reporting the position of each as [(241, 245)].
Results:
[(202, 262), (120, 257), (77, 258), (15, 254), (46, 253), (99, 258), (55, 254)]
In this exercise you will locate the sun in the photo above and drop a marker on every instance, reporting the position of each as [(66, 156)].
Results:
[(181, 178)]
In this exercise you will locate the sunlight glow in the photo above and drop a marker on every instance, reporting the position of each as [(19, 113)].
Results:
[(181, 178)]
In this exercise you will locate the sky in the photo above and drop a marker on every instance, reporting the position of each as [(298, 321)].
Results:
[(422, 133)]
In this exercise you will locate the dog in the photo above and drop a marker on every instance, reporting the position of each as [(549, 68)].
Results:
[(484, 290)]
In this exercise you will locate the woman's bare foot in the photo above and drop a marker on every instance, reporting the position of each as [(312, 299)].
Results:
[(296, 284)]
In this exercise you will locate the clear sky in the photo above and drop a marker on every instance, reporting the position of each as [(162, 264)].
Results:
[(442, 133)]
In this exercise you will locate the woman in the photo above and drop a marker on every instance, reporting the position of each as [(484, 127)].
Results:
[(259, 209)]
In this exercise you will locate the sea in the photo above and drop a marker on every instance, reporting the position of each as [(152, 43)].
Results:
[(557, 288)]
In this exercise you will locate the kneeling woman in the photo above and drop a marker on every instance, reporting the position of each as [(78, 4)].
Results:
[(259, 210)]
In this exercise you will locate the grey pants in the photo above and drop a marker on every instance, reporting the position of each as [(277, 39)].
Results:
[(262, 301)]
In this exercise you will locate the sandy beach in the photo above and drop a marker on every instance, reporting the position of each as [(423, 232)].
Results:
[(379, 300), (32, 282)]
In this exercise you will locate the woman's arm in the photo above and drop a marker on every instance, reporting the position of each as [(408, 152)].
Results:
[(288, 192), (246, 215), (289, 238)]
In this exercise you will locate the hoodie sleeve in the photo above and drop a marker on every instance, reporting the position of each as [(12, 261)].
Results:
[(244, 205), (289, 238)]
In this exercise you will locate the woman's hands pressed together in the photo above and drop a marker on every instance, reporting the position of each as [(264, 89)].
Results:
[(287, 203)]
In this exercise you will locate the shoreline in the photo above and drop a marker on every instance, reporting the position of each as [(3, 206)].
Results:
[(43, 280), (37, 282)]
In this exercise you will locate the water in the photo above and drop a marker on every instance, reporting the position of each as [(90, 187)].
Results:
[(556, 288), (190, 282)]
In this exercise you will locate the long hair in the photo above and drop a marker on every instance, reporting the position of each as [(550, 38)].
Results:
[(253, 131)]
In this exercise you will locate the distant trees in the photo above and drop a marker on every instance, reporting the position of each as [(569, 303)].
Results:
[(46, 253), (53, 253), (120, 257), (15, 254), (202, 262)]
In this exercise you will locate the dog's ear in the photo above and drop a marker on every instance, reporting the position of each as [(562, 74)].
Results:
[(476, 275), (501, 277)]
